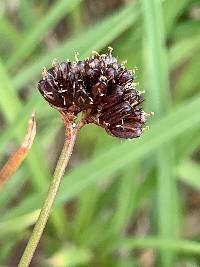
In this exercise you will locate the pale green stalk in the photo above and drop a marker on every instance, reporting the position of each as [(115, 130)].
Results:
[(53, 189)]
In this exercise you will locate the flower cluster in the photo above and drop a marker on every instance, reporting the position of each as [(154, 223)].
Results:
[(101, 88)]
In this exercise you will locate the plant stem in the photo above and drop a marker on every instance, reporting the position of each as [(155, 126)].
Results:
[(71, 134)]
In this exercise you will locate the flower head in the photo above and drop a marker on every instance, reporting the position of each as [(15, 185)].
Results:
[(101, 88)]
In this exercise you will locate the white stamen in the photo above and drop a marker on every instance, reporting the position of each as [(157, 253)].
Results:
[(55, 62), (110, 49), (44, 73), (149, 113), (141, 92), (124, 62), (76, 56), (103, 78), (95, 53), (145, 128)]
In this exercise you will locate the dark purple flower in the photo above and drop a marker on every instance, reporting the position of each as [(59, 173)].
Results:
[(101, 88)]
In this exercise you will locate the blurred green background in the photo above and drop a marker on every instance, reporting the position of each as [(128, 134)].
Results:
[(121, 203)]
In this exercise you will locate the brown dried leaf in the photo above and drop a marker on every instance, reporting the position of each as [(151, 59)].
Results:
[(17, 158)]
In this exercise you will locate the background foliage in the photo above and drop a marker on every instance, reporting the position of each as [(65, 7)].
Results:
[(121, 203)]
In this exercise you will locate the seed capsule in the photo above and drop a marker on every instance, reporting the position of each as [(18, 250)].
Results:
[(101, 88), (126, 131), (116, 113)]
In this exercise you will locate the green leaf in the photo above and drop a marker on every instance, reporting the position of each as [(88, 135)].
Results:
[(126, 200), (104, 164), (189, 172), (10, 106), (8, 32), (95, 38), (183, 50), (18, 224), (173, 10), (189, 80), (70, 256), (180, 246), (159, 93), (34, 36)]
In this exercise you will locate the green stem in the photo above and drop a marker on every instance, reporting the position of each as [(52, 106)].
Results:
[(53, 189)]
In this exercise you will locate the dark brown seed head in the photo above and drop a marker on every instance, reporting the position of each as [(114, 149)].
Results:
[(101, 88)]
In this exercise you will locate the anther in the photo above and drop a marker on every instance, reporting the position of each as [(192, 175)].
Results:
[(141, 92), (124, 62), (55, 62), (102, 78), (149, 113), (145, 128), (95, 53), (44, 73), (76, 54), (110, 49)]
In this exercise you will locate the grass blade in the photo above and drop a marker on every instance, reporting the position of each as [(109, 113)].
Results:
[(84, 42), (40, 173), (158, 79), (173, 125), (180, 246), (34, 36)]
